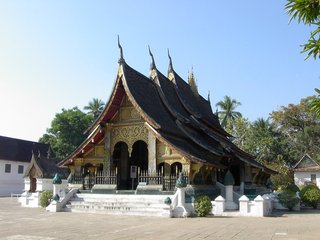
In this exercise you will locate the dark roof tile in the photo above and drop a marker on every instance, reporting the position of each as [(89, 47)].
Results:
[(13, 149)]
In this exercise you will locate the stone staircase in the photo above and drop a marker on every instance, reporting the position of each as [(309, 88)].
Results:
[(119, 204)]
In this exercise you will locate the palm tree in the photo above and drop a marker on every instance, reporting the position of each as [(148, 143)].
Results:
[(95, 107), (262, 124), (227, 111)]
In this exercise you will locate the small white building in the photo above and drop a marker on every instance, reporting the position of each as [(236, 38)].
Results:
[(38, 178), (15, 156), (306, 171)]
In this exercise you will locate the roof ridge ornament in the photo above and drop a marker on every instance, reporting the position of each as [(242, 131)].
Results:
[(152, 65), (209, 98), (170, 69), (121, 59), (193, 83)]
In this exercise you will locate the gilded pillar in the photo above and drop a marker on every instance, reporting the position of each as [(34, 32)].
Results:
[(107, 154), (152, 162)]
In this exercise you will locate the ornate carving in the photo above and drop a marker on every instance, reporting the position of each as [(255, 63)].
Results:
[(129, 114), (129, 135), (135, 114)]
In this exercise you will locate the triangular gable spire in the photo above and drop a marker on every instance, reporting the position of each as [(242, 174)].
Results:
[(209, 98), (121, 59)]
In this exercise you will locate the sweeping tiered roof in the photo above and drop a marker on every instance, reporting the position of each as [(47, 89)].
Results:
[(179, 117)]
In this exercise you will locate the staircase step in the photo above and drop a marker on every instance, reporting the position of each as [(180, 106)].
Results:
[(138, 205)]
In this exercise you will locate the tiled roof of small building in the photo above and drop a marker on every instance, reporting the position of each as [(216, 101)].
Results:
[(306, 164), (13, 149), (48, 167)]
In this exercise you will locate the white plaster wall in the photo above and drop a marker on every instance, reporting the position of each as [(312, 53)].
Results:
[(44, 184), (301, 177), (26, 184), (11, 182)]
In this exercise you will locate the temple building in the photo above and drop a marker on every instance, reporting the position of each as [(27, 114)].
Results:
[(153, 128)]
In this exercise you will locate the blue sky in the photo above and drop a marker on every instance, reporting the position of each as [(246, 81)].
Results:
[(61, 54)]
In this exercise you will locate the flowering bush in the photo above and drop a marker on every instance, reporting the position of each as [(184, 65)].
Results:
[(202, 205), (45, 198)]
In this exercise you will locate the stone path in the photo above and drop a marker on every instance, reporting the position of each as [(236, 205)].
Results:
[(17, 223)]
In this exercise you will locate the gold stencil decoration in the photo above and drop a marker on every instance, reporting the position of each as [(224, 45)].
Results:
[(129, 135)]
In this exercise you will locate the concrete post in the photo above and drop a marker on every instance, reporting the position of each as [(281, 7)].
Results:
[(229, 198), (259, 201), (241, 188), (181, 197), (56, 189), (267, 205), (229, 193), (244, 205), (219, 206)]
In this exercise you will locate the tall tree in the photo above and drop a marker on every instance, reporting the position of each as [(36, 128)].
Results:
[(227, 113), (240, 130), (259, 138), (315, 104), (301, 128), (265, 142), (66, 131), (95, 107), (307, 12)]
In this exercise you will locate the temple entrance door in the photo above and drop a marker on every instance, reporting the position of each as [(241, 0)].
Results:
[(121, 163), (33, 184), (139, 158)]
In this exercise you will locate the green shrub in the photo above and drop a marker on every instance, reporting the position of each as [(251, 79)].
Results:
[(292, 187), (45, 198), (202, 205), (310, 195), (288, 199)]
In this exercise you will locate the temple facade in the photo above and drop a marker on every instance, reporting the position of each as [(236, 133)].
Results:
[(153, 128)]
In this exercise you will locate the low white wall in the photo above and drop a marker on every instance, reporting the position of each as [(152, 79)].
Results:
[(29, 199), (259, 207)]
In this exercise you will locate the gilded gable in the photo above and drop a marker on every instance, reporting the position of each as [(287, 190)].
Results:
[(127, 113)]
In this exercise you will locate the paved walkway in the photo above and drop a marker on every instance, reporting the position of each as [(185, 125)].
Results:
[(26, 223)]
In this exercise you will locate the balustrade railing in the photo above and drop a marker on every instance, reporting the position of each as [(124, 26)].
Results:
[(88, 181), (101, 178), (152, 179)]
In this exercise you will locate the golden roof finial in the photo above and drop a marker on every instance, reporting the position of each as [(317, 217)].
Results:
[(193, 83)]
